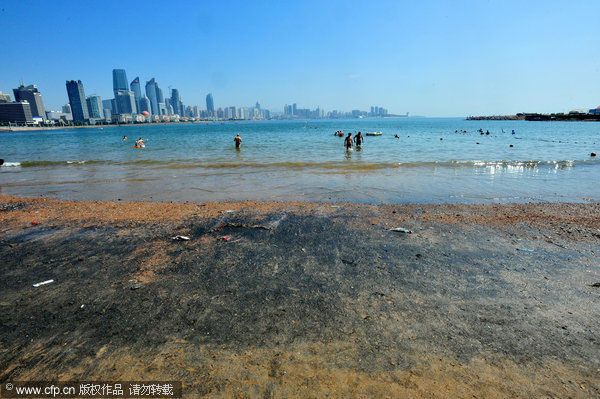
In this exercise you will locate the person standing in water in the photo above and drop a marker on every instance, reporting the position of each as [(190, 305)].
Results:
[(358, 139), (348, 142), (238, 141)]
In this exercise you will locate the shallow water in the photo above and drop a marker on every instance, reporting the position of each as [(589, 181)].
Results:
[(302, 160)]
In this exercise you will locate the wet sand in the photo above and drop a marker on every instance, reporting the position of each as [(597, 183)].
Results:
[(305, 299)]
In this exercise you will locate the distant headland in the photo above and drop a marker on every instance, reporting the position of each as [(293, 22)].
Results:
[(571, 116)]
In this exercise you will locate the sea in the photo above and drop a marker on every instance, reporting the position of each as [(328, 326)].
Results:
[(432, 160)]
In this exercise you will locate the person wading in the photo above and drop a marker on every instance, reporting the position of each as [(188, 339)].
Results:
[(238, 141), (348, 142)]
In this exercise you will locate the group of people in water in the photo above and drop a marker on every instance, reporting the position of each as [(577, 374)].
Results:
[(349, 140), (487, 132), (140, 143)]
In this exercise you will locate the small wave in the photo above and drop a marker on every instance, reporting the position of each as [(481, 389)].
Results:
[(32, 164), (330, 166), (11, 164)]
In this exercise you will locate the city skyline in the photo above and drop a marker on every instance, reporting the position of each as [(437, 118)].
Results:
[(438, 59)]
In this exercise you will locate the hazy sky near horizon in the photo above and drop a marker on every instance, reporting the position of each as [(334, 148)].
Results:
[(437, 58)]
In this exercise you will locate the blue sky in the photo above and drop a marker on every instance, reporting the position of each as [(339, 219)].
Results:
[(442, 58)]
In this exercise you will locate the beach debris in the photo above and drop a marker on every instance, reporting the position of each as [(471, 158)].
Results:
[(34, 223), (347, 262), (229, 211), (401, 230), (335, 206), (82, 306), (225, 238), (43, 283), (511, 145), (525, 249), (136, 286), (244, 226), (180, 238), (593, 154), (595, 285)]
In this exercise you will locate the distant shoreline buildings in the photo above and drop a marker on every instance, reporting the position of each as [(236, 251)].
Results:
[(130, 105)]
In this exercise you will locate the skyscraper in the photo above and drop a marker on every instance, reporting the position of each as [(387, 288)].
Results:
[(107, 104), (162, 109), (107, 114), (145, 105), (15, 112), (137, 92), (175, 101), (151, 94), (210, 105), (126, 102), (159, 94), (119, 81), (33, 97), (169, 108), (94, 104), (77, 101)]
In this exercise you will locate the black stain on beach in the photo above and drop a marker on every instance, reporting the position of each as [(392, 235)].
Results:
[(457, 290)]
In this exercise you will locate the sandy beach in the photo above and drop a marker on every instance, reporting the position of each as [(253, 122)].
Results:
[(275, 300)]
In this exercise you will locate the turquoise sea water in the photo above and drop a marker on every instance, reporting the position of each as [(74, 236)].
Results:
[(304, 161)]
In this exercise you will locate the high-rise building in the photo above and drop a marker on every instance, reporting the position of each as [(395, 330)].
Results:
[(108, 104), (33, 97), (294, 109), (159, 94), (94, 104), (126, 102), (66, 109), (137, 92), (107, 114), (175, 99), (15, 112), (145, 105), (151, 86), (119, 81), (196, 111), (77, 101), (257, 106), (210, 105)]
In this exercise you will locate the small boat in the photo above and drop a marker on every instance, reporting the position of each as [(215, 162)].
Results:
[(373, 134)]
